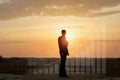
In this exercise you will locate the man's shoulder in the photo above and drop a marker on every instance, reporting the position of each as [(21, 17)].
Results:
[(59, 37)]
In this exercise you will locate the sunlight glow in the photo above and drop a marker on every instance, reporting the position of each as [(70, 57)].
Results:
[(69, 36)]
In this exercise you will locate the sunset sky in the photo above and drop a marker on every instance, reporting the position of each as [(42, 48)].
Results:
[(30, 28)]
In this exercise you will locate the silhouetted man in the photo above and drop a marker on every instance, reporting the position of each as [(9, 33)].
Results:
[(63, 44)]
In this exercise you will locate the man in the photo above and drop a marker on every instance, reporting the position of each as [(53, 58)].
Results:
[(63, 44)]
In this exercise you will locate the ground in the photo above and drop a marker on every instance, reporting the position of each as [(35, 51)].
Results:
[(53, 77)]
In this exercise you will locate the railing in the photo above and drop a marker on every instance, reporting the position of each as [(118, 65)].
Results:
[(73, 66)]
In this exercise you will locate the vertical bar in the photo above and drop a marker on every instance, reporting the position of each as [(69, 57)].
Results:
[(93, 53), (74, 65), (53, 69), (90, 66), (85, 62), (69, 66), (104, 50), (48, 70), (80, 66), (95, 58)]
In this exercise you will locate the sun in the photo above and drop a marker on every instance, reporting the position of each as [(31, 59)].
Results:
[(69, 36)]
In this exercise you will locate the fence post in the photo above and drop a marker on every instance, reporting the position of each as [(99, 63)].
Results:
[(53, 69), (69, 66)]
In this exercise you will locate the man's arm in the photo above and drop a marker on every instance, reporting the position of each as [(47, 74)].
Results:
[(67, 52), (67, 49)]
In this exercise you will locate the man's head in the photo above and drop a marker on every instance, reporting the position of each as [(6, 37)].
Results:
[(63, 32)]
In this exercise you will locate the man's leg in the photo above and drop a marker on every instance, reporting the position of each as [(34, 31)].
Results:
[(60, 67), (62, 70)]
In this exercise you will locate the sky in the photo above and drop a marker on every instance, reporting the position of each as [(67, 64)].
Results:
[(30, 28)]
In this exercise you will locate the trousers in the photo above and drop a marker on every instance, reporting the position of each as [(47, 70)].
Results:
[(62, 70)]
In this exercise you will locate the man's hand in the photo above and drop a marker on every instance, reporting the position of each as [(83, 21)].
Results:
[(68, 54)]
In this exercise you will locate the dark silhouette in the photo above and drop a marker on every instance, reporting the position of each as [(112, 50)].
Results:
[(1, 58), (63, 44)]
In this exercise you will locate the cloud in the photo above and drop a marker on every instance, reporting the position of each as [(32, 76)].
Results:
[(55, 7), (105, 11), (5, 1), (79, 8)]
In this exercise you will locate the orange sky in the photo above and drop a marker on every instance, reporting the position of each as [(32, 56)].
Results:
[(31, 30)]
